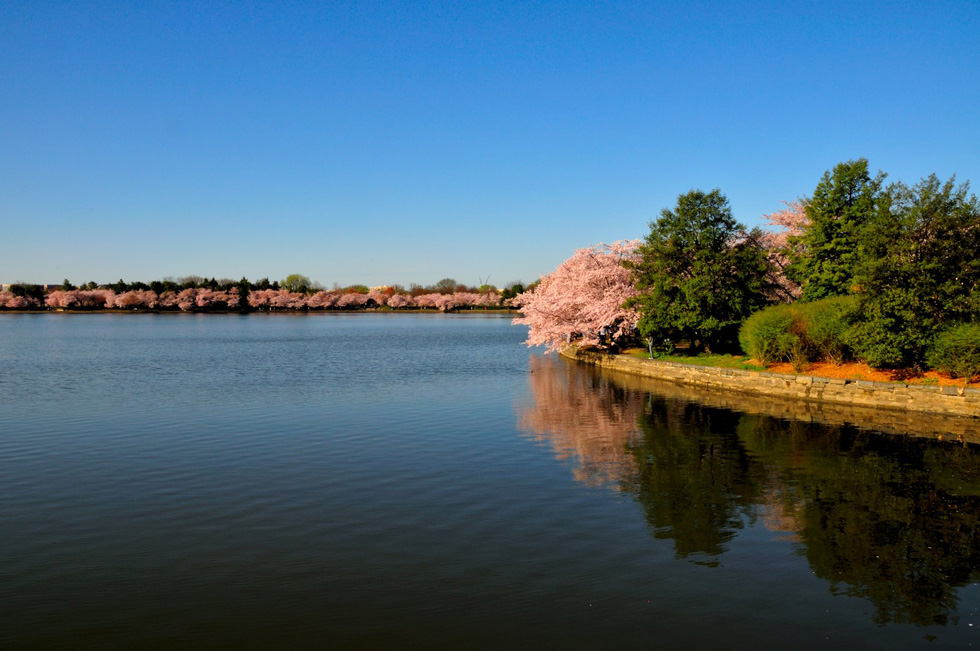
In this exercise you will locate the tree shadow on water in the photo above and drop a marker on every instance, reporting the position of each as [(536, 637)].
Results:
[(892, 519)]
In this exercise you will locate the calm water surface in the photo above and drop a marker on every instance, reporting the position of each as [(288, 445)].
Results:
[(425, 481)]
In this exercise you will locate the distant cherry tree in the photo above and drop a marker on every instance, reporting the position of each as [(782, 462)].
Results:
[(11, 301), (779, 237), (322, 300), (379, 296), (140, 298), (80, 298), (352, 300), (583, 298), (400, 300)]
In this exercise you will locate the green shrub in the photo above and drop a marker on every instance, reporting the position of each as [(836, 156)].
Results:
[(827, 325), (799, 332), (767, 336), (957, 351)]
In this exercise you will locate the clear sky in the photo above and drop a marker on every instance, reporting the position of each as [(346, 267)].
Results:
[(407, 142)]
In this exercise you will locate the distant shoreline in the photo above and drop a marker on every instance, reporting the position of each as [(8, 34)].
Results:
[(370, 310)]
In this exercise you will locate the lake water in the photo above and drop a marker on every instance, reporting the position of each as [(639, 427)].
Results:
[(425, 481)]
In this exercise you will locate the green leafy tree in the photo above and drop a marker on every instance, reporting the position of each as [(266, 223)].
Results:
[(920, 271), (296, 283), (824, 259), (244, 287), (700, 273), (445, 286)]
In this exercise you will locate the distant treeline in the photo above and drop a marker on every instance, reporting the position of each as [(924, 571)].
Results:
[(294, 293)]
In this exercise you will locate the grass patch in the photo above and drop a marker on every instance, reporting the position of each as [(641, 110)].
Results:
[(720, 361)]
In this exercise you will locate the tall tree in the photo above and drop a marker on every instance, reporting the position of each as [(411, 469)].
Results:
[(824, 258), (700, 274), (920, 271)]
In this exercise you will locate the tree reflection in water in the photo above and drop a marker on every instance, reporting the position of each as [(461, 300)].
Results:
[(583, 417), (892, 519)]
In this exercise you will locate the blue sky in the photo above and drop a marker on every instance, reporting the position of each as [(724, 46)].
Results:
[(407, 142)]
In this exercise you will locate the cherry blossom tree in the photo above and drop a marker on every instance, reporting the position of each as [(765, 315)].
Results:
[(277, 299), (287, 300), (400, 300), (428, 300), (168, 299), (781, 227), (136, 299), (80, 298), (489, 299), (352, 300), (322, 300), (187, 299), (11, 301), (583, 298), (234, 299), (379, 296), (56, 299)]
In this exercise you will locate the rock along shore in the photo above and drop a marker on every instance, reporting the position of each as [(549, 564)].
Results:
[(941, 412)]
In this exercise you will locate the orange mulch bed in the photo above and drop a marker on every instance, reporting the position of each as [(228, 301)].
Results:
[(858, 371)]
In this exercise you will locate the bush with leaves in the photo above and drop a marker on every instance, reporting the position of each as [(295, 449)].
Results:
[(767, 335), (800, 332), (957, 351), (828, 322)]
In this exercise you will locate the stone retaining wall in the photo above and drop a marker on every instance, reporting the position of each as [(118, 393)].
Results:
[(892, 396)]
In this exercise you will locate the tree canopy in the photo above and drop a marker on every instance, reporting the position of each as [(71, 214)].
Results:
[(824, 258), (699, 273), (581, 298), (918, 272)]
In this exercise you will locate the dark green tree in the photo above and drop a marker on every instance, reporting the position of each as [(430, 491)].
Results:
[(28, 291), (67, 286), (919, 272), (824, 260), (244, 287), (700, 273)]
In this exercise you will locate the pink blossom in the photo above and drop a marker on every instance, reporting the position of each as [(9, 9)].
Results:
[(80, 298), (322, 300), (59, 298), (168, 299), (380, 297), (584, 295), (287, 300), (186, 299), (400, 300), (489, 299), (259, 298), (352, 300), (788, 223), (11, 301), (136, 299), (428, 300), (281, 299)]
